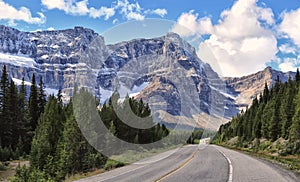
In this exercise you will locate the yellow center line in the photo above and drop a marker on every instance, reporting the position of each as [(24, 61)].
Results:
[(178, 168)]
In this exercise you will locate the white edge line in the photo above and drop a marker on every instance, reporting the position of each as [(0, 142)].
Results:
[(121, 173), (230, 175)]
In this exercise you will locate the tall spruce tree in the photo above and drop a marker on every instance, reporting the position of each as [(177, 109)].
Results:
[(47, 135), (24, 127), (12, 129), (295, 128), (3, 106), (41, 97), (33, 104), (297, 77)]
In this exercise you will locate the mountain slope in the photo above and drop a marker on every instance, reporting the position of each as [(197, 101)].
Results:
[(167, 72), (246, 88)]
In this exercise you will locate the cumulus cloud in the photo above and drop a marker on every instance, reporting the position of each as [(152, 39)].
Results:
[(289, 64), (159, 11), (12, 14), (288, 49), (103, 11), (130, 11), (189, 24), (290, 25), (240, 41), (134, 16), (69, 6)]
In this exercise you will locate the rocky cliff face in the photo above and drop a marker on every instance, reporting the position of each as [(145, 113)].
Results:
[(248, 87), (164, 71), (169, 65), (54, 55)]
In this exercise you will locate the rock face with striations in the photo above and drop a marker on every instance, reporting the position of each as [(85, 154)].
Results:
[(54, 55), (164, 71)]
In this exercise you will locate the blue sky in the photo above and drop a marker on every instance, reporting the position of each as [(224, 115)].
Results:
[(237, 37)]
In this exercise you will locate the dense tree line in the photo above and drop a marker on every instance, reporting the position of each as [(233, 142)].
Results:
[(59, 148), (125, 132), (45, 130), (19, 115), (274, 114)]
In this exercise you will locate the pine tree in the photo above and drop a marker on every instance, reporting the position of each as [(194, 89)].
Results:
[(48, 134), (297, 78), (274, 122), (12, 130), (266, 93), (3, 106), (72, 146), (295, 128), (41, 97), (287, 109), (33, 105), (24, 127), (110, 138), (59, 96)]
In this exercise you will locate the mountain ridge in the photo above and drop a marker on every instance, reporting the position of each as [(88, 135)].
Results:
[(161, 66), (246, 88)]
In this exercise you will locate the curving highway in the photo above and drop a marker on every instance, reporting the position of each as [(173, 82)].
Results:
[(197, 163)]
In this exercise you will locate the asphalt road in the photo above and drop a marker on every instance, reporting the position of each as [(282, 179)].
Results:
[(150, 169), (196, 164)]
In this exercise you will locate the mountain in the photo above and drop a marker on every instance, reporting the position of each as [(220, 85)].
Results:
[(54, 55), (164, 71), (248, 87), (271, 125)]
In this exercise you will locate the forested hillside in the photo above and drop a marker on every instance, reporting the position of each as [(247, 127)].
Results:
[(271, 124), (44, 131)]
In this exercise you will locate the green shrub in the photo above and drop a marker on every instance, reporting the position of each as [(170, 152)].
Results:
[(33, 175), (111, 164), (3, 166)]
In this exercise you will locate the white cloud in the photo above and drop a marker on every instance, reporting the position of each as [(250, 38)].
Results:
[(69, 6), (103, 11), (160, 12), (134, 16), (50, 29), (115, 21), (79, 8), (240, 41), (287, 49), (130, 11), (290, 25), (53, 4), (289, 64), (190, 24), (12, 14)]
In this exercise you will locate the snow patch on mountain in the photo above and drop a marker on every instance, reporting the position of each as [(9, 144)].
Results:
[(223, 93), (137, 89), (19, 82), (51, 91), (17, 60), (105, 95)]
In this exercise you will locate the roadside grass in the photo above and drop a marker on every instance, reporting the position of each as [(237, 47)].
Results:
[(8, 169), (134, 156), (126, 158), (289, 162), (84, 175)]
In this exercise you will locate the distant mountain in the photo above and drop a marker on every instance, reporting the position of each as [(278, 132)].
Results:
[(164, 71), (247, 87)]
